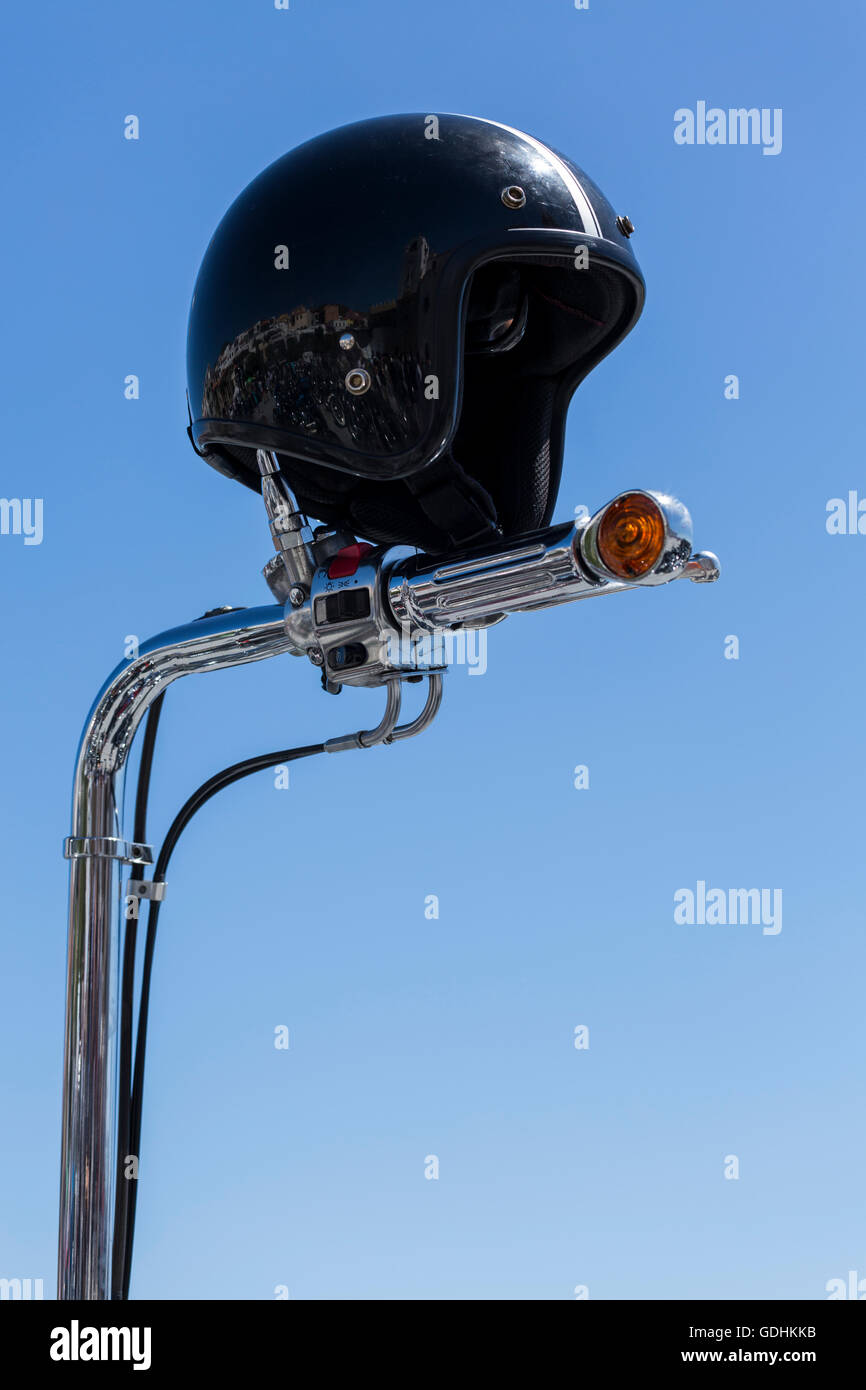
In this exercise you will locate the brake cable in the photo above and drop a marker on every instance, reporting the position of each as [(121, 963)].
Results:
[(181, 820)]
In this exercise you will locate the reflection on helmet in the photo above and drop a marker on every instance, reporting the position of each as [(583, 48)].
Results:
[(378, 248)]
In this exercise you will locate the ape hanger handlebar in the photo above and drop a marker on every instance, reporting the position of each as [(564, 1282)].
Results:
[(361, 615)]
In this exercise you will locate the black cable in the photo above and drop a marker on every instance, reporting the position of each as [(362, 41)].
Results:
[(128, 988), (208, 789), (142, 790), (139, 835)]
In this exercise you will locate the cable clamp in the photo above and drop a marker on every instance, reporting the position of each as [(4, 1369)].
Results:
[(106, 847), (138, 888)]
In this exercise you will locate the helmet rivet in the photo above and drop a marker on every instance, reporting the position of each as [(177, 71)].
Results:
[(625, 225), (358, 381), (346, 341), (513, 196)]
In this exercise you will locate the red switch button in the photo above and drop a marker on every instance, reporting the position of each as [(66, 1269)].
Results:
[(347, 560)]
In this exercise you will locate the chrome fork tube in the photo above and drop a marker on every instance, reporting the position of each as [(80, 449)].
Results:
[(98, 852)]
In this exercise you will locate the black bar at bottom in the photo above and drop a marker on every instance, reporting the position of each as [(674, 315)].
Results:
[(223, 1338)]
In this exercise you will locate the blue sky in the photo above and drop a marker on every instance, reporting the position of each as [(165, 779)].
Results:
[(558, 1167)]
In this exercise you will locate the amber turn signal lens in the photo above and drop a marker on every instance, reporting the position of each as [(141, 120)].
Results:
[(631, 535)]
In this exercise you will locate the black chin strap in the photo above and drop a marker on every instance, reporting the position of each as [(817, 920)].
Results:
[(456, 504)]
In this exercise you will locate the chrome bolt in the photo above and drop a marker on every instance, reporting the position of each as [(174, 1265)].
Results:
[(316, 655), (296, 595), (358, 381), (346, 341), (513, 196)]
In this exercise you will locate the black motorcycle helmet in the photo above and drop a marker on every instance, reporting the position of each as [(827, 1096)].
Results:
[(401, 310)]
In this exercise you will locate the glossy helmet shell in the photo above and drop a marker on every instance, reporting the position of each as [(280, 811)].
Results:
[(442, 257)]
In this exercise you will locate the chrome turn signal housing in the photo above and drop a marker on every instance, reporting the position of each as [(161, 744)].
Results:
[(638, 538)]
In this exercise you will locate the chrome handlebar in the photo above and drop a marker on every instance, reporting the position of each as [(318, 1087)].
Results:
[(367, 615), (360, 615)]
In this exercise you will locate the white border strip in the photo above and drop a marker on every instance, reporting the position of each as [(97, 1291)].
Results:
[(581, 202)]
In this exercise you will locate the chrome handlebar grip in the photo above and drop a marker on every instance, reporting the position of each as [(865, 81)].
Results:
[(533, 571)]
